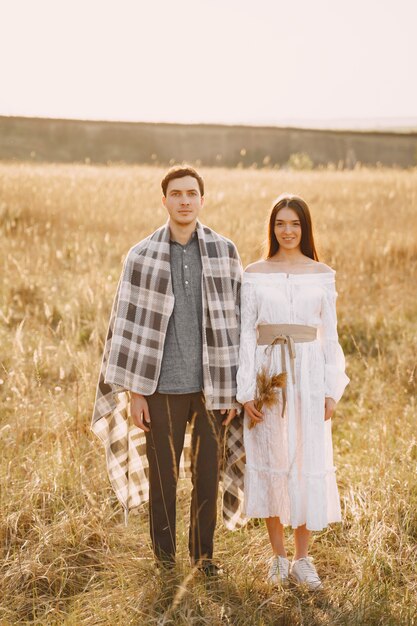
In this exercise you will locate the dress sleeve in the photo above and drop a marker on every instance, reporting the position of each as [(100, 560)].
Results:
[(246, 374), (335, 379)]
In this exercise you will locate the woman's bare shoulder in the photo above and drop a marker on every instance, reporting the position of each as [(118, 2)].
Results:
[(322, 268), (257, 266)]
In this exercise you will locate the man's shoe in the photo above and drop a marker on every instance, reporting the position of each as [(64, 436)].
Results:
[(304, 572), (209, 569), (278, 571)]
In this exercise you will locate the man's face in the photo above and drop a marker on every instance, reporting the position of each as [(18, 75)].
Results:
[(183, 200)]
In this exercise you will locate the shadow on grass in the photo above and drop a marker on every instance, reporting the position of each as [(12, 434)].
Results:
[(182, 598), (192, 599)]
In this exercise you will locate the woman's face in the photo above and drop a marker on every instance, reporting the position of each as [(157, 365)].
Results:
[(288, 229)]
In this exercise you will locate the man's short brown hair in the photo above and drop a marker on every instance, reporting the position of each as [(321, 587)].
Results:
[(179, 171)]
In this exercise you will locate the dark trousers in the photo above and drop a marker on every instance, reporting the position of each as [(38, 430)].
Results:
[(164, 444)]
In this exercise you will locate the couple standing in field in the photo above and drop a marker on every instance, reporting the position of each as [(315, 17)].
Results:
[(192, 339)]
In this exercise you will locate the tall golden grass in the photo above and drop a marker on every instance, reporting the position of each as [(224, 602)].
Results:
[(66, 556)]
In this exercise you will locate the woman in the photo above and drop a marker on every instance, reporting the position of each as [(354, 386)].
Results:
[(289, 325)]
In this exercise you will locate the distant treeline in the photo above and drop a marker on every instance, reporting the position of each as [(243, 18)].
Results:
[(125, 142)]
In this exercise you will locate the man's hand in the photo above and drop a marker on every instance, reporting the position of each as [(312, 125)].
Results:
[(139, 411), (230, 415), (254, 415), (329, 407)]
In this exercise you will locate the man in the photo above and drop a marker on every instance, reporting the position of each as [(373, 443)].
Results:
[(173, 344)]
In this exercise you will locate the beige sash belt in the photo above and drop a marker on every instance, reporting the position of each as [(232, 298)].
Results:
[(270, 335)]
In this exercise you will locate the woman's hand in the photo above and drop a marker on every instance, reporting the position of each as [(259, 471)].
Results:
[(329, 407), (253, 413)]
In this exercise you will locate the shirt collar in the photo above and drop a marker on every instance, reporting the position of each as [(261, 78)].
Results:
[(184, 245)]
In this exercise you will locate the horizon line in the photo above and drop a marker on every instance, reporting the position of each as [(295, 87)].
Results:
[(334, 124)]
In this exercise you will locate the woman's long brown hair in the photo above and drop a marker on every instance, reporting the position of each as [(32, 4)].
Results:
[(298, 205)]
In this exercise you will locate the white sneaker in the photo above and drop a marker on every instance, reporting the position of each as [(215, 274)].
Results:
[(278, 571), (305, 573)]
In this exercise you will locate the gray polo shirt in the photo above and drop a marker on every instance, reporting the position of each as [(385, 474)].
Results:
[(182, 368)]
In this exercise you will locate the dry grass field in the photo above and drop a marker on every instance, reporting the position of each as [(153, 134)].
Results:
[(66, 557)]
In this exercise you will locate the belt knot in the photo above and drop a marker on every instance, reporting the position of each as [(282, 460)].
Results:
[(286, 336)]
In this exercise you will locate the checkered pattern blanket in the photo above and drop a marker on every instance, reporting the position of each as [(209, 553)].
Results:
[(133, 353)]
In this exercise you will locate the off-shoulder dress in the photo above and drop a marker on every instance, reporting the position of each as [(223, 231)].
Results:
[(289, 460)]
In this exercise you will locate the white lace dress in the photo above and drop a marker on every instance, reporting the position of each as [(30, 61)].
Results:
[(289, 460)]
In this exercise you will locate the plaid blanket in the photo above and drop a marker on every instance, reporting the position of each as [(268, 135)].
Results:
[(133, 353)]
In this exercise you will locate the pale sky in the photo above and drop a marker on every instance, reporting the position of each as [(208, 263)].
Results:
[(230, 61)]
